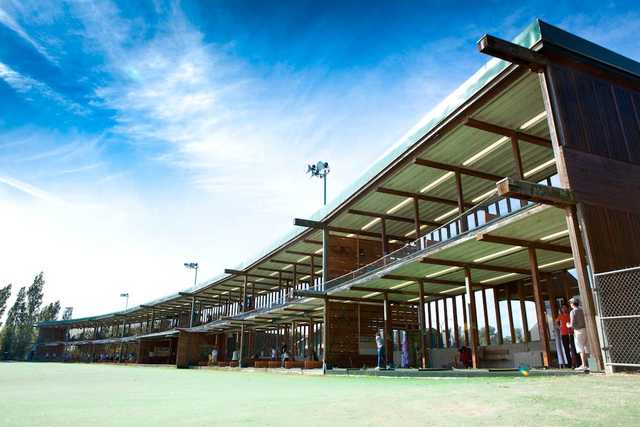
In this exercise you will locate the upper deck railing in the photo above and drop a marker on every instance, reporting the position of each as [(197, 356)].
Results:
[(486, 211)]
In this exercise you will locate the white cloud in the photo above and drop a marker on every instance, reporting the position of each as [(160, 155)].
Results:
[(29, 189), (29, 86), (8, 21)]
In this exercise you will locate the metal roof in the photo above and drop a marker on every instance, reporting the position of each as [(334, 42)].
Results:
[(453, 148)]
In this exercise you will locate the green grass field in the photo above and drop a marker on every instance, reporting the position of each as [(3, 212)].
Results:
[(95, 395)]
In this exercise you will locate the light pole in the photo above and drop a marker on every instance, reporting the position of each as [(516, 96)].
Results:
[(320, 170), (192, 266), (126, 304)]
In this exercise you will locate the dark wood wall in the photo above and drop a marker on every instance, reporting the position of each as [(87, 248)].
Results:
[(598, 128), (349, 253), (191, 348)]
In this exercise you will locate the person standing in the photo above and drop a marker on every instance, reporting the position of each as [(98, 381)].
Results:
[(577, 322), (566, 334), (214, 355), (380, 350)]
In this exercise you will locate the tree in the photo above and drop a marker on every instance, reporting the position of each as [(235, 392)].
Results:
[(5, 293), (11, 345), (49, 312)]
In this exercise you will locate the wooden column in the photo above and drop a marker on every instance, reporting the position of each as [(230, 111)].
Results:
[(311, 340), (496, 304), (485, 313), (422, 324), (388, 344), (295, 275), (436, 303), (430, 325), (465, 323), (456, 333), (324, 334), (416, 215), (472, 315), (447, 333), (244, 293), (192, 314), (540, 311), (325, 255), (586, 295), (464, 226), (517, 158), (313, 273), (523, 313), (385, 244), (240, 355)]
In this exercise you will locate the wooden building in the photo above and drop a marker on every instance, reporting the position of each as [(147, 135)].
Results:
[(491, 212)]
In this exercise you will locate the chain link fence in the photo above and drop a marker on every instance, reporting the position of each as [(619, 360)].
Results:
[(618, 301)]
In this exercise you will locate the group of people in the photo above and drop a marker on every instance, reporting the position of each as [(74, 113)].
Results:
[(573, 335)]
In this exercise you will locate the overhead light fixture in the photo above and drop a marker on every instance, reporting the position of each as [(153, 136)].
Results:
[(437, 182), (319, 251), (403, 284), (482, 153), (498, 254), (400, 205), (447, 214), (273, 274), (538, 168), (286, 267), (370, 224), (413, 299), (452, 290), (533, 121), (549, 264), (442, 272), (372, 294), (494, 279), (304, 277), (555, 235), (304, 258), (483, 196)]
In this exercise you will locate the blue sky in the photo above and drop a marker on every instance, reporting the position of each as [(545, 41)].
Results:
[(138, 135)]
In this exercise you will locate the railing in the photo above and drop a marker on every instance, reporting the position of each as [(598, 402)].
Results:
[(485, 212)]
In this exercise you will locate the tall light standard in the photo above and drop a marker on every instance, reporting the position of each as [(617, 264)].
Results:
[(192, 266), (320, 170), (126, 304)]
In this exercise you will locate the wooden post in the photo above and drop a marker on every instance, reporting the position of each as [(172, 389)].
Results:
[(388, 343), (487, 336), (447, 333), (430, 325), (193, 308), (416, 215), (436, 303), (471, 315), (244, 294), (313, 273), (464, 226), (325, 256), (456, 333), (325, 319), (540, 311), (385, 244), (240, 355), (465, 323), (523, 313), (421, 324), (496, 303), (295, 275), (586, 295)]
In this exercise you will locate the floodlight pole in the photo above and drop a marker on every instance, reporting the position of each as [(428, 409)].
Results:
[(324, 180)]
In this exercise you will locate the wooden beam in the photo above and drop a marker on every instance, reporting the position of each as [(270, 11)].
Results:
[(524, 243), (464, 225), (511, 133), (496, 308), (525, 190), (422, 326), (300, 222), (420, 196), (512, 52), (475, 266), (512, 326), (472, 319), (459, 169), (540, 309), (393, 217), (303, 253), (388, 291), (313, 242), (423, 280)]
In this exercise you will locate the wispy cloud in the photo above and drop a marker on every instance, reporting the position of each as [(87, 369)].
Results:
[(30, 189), (8, 21), (30, 87)]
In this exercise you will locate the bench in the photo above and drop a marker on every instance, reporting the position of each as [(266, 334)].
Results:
[(312, 364), (289, 364), (261, 363)]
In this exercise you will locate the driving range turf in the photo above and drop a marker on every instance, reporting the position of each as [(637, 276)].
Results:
[(56, 394)]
